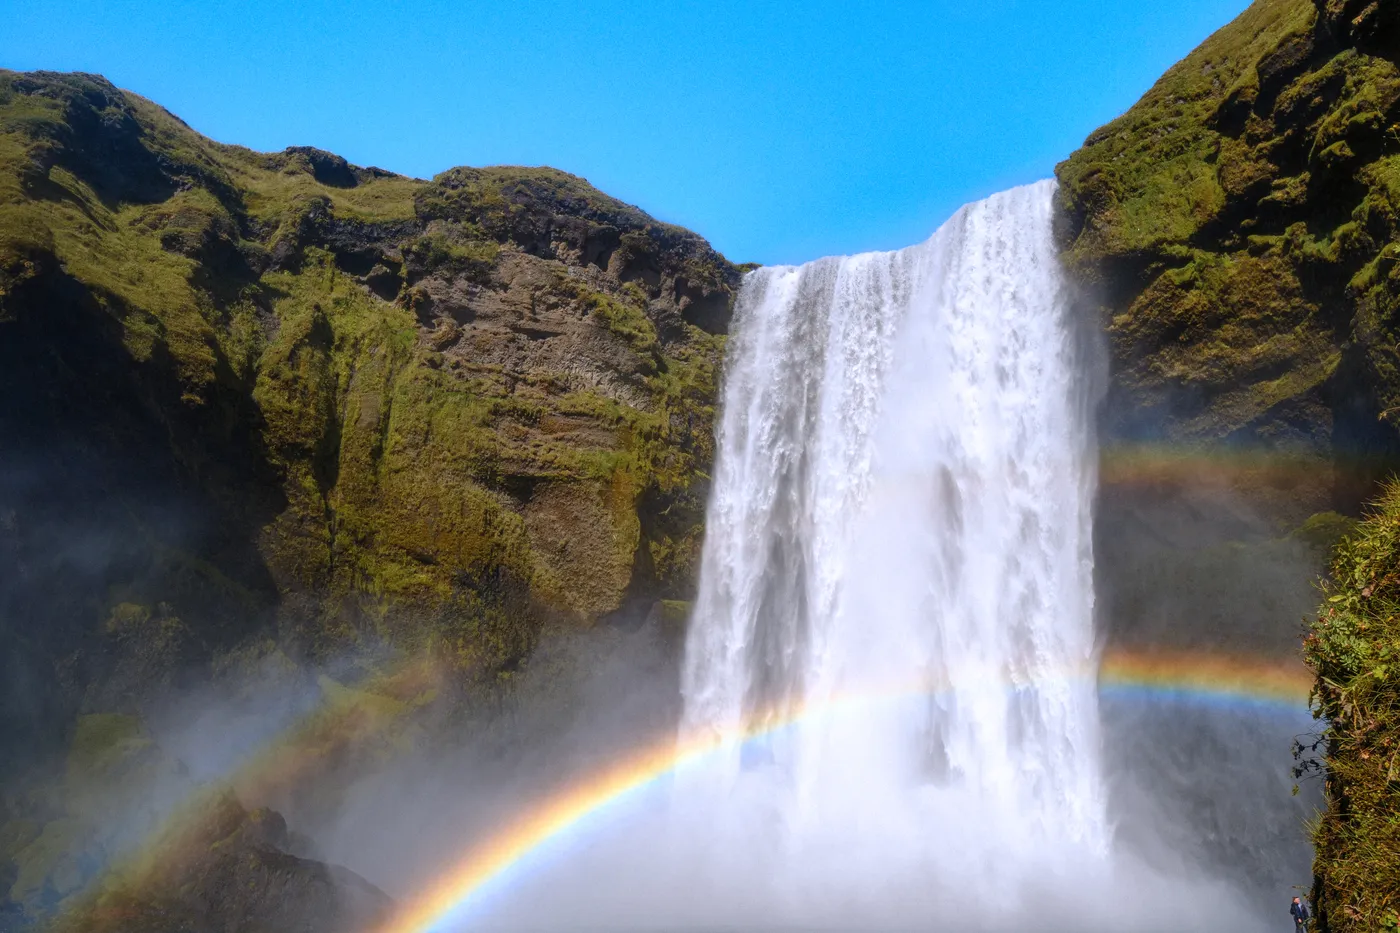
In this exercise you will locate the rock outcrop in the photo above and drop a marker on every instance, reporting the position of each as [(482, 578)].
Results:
[(123, 839)]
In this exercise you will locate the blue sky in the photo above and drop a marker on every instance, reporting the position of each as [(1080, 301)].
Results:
[(780, 131)]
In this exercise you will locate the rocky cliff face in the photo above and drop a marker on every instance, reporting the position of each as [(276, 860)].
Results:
[(280, 406), (1236, 233), (1233, 232), (1237, 228)]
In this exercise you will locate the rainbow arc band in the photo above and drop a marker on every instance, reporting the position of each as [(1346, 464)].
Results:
[(1171, 676)]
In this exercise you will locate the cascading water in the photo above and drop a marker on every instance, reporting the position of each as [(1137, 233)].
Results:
[(900, 531)]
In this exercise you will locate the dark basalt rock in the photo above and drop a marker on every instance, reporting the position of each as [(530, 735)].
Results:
[(326, 167)]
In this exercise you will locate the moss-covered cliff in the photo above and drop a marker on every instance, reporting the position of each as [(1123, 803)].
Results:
[(277, 405), (1237, 232), (443, 411), (1237, 228), (1232, 233)]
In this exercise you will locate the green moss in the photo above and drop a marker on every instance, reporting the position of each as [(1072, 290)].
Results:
[(51, 867), (463, 253), (492, 198), (1324, 530), (1147, 178)]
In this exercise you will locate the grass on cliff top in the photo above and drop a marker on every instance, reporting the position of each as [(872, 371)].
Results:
[(271, 184), (1354, 648), (121, 259), (494, 185), (1153, 164), (134, 257), (269, 192)]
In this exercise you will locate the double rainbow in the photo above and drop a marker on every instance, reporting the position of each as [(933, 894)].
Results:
[(1160, 676)]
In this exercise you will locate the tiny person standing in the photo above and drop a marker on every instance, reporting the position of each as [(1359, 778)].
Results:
[(1299, 910)]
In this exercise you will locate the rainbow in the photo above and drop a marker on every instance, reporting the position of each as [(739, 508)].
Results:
[(1158, 675), (1207, 679), (1145, 464)]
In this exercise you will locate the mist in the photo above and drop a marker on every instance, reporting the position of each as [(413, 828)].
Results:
[(1205, 831)]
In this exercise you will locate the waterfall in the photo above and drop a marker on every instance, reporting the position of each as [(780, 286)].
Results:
[(893, 638), (900, 532)]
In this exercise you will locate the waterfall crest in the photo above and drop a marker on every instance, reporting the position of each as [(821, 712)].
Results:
[(901, 514)]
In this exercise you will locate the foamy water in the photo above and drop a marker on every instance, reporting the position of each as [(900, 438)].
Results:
[(904, 494)]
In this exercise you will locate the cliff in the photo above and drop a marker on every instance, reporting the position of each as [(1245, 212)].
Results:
[(1236, 228), (1235, 233), (278, 406)]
